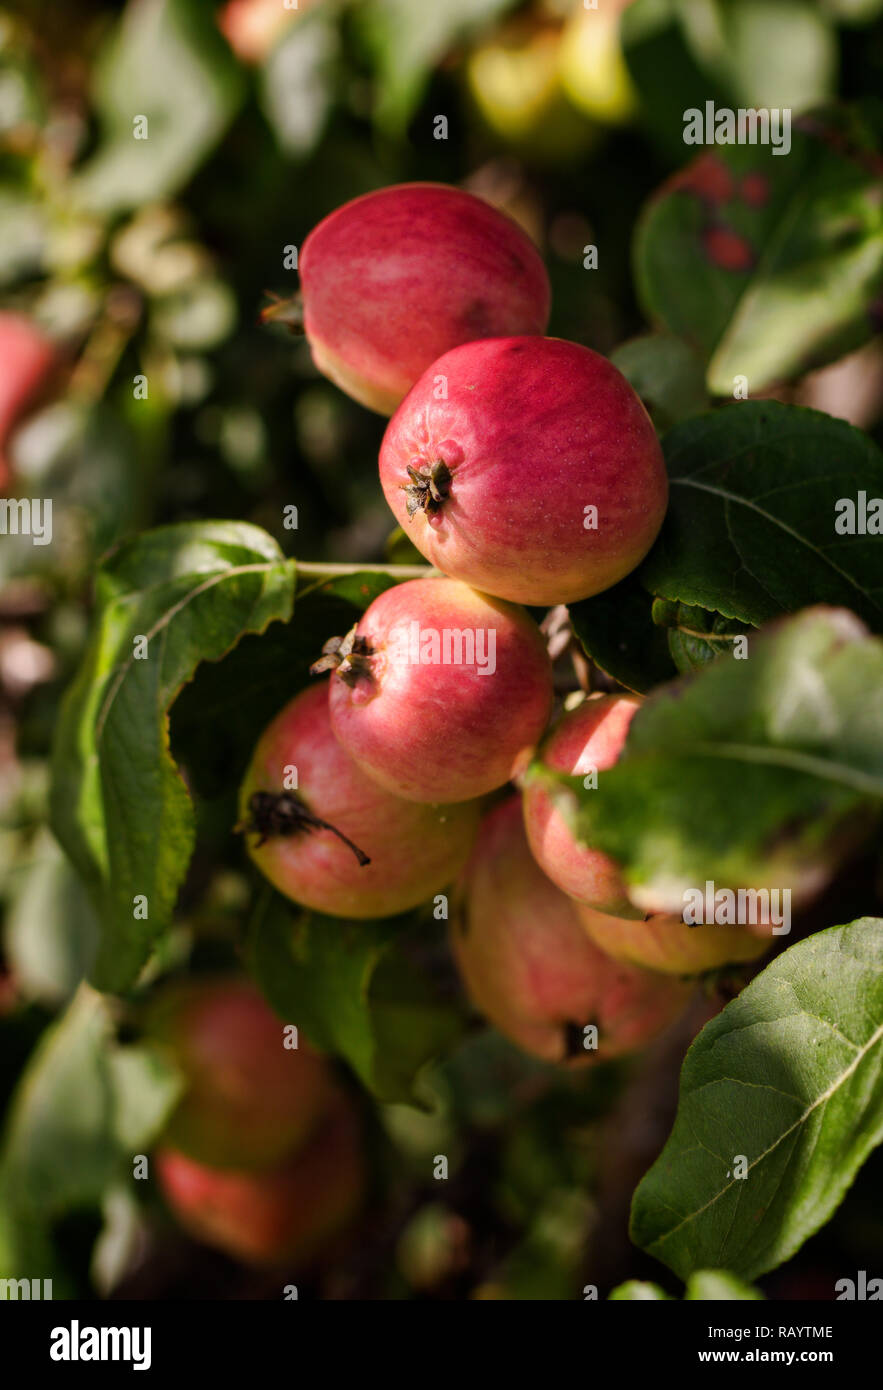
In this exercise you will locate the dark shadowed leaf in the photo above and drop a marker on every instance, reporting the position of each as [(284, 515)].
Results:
[(366, 991), (617, 631), (695, 635), (750, 529), (216, 719)]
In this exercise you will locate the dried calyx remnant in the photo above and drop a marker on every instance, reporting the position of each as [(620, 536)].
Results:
[(288, 311), (428, 488), (349, 656), (284, 813)]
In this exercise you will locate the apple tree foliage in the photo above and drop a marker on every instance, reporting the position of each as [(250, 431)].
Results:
[(201, 629)]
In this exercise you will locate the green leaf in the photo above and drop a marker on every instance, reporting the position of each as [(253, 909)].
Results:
[(118, 805), (790, 1076), (703, 1286), (768, 264), (84, 1108), (51, 930), (695, 635), (638, 1291), (667, 375), (365, 991), (546, 1264), (297, 82), (853, 11), (666, 72), (754, 773), (165, 61), (209, 737), (719, 1286), (617, 631), (767, 52), (408, 40), (750, 529), (23, 235)]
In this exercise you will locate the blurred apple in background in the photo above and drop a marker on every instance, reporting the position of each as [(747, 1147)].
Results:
[(515, 84), (252, 27), (249, 1101), (26, 359), (592, 67), (284, 1214)]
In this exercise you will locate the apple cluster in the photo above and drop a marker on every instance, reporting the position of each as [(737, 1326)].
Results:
[(527, 471), (262, 1156)]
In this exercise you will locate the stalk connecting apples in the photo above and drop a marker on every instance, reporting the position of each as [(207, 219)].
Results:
[(527, 471)]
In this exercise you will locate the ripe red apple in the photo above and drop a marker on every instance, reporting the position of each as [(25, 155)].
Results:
[(249, 1100), (393, 279), (26, 358), (590, 737), (496, 459), (282, 1215), (530, 966), (442, 692), (664, 942), (340, 843)]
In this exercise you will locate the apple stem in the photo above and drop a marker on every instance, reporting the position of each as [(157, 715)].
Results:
[(284, 813), (320, 570)]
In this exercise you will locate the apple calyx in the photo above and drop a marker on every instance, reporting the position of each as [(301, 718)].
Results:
[(284, 813), (428, 488), (288, 311), (349, 656)]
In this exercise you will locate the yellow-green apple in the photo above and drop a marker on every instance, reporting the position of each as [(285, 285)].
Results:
[(592, 66)]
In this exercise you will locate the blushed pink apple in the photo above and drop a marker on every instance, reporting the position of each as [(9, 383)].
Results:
[(527, 467), (666, 943), (338, 842), (530, 966), (442, 692), (281, 1215), (586, 739), (26, 359), (249, 1100), (393, 279), (254, 27)]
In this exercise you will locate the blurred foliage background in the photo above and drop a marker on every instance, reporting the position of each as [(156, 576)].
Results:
[(150, 261)]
